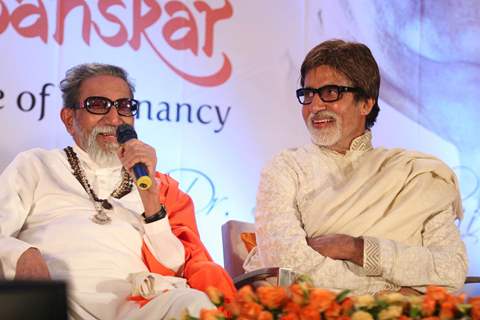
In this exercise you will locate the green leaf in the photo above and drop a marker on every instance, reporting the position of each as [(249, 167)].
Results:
[(415, 312), (464, 308), (342, 295), (304, 278)]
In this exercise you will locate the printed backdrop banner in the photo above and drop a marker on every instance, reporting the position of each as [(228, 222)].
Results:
[(217, 79)]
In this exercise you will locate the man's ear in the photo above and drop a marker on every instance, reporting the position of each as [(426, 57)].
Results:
[(367, 106), (67, 115)]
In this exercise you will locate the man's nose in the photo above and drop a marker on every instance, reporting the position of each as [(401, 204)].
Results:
[(112, 117), (317, 104)]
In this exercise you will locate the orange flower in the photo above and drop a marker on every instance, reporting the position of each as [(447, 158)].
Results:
[(460, 298), (455, 299), (475, 313), (225, 311), (436, 293), (250, 310), (333, 312), (303, 302), (428, 306), (265, 315), (246, 294), (474, 301), (232, 309), (447, 310), (321, 299), (215, 295), (310, 313), (292, 307), (347, 305), (299, 294), (289, 316), (213, 314), (272, 297)]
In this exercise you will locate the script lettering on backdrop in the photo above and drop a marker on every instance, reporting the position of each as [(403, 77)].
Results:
[(144, 14), (201, 188)]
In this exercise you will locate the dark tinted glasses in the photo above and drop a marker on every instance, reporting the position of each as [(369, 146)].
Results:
[(329, 93), (100, 105)]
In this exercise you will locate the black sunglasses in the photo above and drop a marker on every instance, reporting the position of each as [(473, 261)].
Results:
[(101, 105), (328, 93)]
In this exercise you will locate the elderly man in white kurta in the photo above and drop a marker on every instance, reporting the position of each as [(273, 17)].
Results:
[(349, 215), (74, 214)]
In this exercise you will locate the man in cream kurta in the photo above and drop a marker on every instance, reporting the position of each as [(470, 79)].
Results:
[(349, 215)]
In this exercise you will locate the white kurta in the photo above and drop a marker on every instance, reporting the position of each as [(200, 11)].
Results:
[(42, 205), (311, 191)]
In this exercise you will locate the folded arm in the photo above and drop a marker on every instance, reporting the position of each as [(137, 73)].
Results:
[(281, 238), (440, 260), (339, 247)]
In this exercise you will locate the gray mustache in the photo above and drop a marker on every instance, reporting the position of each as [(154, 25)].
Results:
[(323, 115)]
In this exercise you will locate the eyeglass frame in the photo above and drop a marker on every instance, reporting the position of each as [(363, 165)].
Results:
[(339, 89), (110, 103)]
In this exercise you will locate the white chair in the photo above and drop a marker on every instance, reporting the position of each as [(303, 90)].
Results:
[(235, 252)]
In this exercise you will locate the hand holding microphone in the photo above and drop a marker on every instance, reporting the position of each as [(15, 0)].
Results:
[(126, 133)]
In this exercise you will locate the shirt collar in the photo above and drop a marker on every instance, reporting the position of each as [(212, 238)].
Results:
[(362, 143), (358, 146)]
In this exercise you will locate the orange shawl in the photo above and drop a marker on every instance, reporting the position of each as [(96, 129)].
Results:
[(199, 269)]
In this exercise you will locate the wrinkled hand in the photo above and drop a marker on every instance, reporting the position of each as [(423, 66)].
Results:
[(338, 247), (31, 266), (135, 151)]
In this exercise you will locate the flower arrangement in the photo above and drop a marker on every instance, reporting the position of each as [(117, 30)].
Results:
[(301, 301)]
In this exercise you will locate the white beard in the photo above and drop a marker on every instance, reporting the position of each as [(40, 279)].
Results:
[(326, 136), (104, 158)]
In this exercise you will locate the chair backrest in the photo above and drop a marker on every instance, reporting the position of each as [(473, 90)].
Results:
[(234, 251)]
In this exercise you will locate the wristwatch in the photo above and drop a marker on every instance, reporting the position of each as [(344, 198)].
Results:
[(162, 213)]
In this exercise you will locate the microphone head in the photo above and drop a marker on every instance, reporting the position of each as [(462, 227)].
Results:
[(125, 132)]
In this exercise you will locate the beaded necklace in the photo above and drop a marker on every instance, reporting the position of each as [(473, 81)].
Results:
[(101, 205)]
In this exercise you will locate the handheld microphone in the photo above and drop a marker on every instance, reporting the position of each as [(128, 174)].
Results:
[(125, 132)]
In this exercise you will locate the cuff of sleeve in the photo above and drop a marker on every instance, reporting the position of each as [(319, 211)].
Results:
[(371, 256), (158, 226), (163, 244), (12, 249)]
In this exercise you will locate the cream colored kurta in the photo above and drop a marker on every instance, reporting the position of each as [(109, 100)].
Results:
[(42, 205), (404, 204)]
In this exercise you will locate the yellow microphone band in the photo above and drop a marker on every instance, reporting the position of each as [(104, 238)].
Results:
[(143, 183)]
